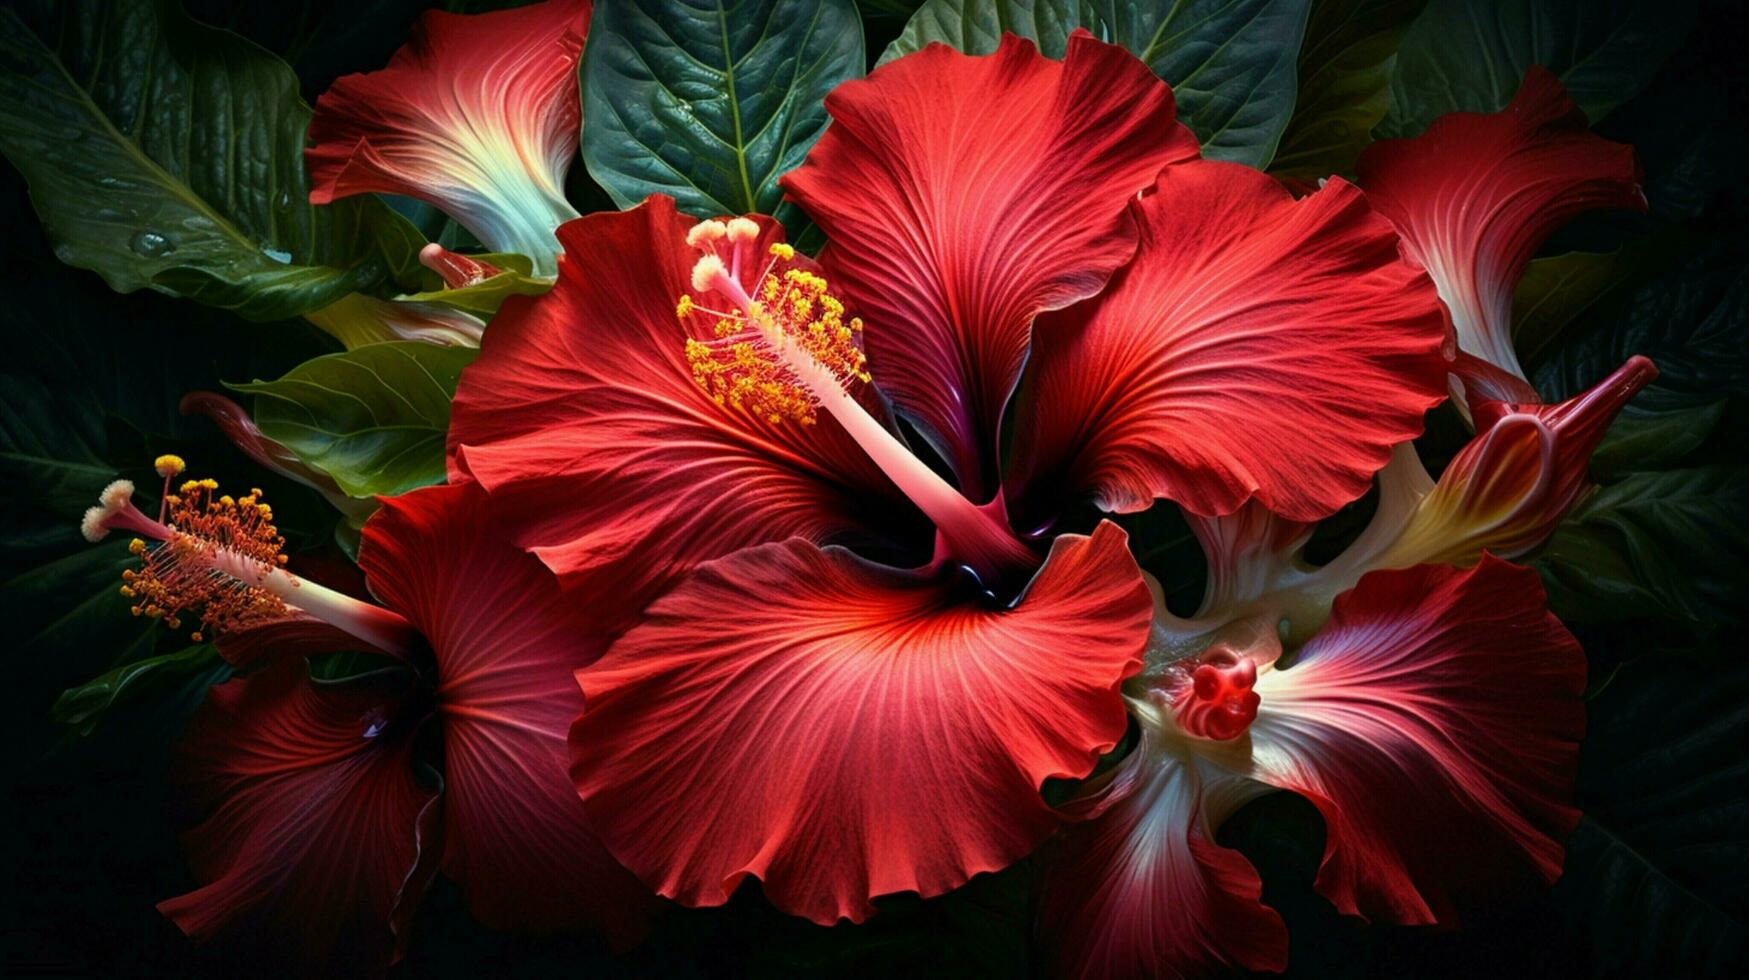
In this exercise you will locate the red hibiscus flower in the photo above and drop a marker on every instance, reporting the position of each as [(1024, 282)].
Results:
[(477, 115), (693, 430), (322, 813), (1434, 722), (1431, 715), (1477, 193)]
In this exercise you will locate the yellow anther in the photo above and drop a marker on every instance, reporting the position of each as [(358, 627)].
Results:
[(209, 484), (227, 501), (190, 486), (683, 308), (168, 465), (783, 251), (136, 547)]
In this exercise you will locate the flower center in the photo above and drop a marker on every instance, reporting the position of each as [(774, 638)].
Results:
[(220, 558), (1211, 695), (784, 350)]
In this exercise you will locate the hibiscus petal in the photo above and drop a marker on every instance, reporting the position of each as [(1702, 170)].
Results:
[(506, 643), (964, 195), (1476, 194), (1503, 493), (1435, 724), (843, 730), (318, 838), (477, 115), (1257, 347), (1142, 890), (582, 418)]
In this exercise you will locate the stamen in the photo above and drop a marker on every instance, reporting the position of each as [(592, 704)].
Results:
[(742, 231), (786, 350), (221, 558), (706, 234)]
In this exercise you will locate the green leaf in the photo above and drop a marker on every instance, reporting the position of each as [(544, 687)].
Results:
[(1653, 878), (1645, 438), (373, 418), (83, 707), (1671, 544), (1344, 84), (483, 298), (1461, 55), (163, 153), (888, 9), (1553, 292), (710, 101), (1231, 63), (1690, 314), (88, 394)]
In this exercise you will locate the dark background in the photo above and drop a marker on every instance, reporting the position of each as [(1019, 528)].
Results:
[(1656, 876)]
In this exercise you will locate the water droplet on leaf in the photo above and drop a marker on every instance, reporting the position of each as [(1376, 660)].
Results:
[(151, 244)]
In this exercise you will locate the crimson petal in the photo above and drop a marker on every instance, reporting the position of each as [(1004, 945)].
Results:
[(1476, 194), (1141, 890), (477, 115), (962, 196), (581, 415), (506, 642), (1434, 722), (318, 837), (842, 730), (1257, 347)]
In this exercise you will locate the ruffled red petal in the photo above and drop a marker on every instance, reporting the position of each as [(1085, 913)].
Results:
[(506, 643), (477, 115), (1141, 889), (318, 837), (964, 195), (582, 418), (841, 730), (1435, 723), (1258, 347), (1477, 193)]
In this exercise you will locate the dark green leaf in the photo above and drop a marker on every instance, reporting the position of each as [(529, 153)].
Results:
[(1231, 63), (1653, 878), (1553, 292), (84, 706), (710, 101), (88, 393), (1344, 88), (1461, 55), (1692, 319), (373, 418), (1664, 543), (483, 298), (890, 9), (166, 154)]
